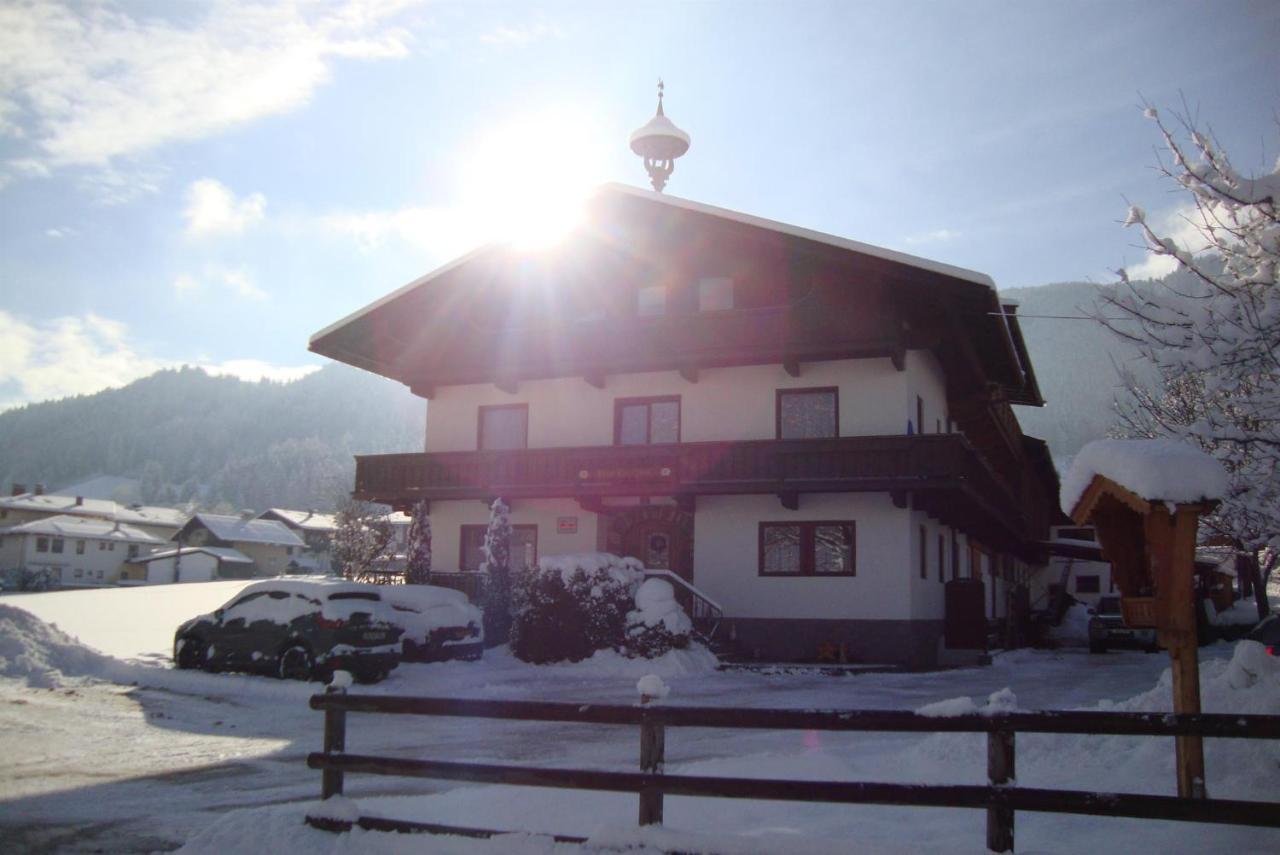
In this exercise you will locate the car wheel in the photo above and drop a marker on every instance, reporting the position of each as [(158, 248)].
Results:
[(296, 663), (189, 653)]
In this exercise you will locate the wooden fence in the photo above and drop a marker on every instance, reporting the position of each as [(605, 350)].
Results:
[(1000, 798)]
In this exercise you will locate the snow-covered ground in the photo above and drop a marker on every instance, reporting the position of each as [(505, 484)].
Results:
[(110, 750)]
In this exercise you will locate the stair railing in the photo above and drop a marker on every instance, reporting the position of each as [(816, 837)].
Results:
[(703, 610)]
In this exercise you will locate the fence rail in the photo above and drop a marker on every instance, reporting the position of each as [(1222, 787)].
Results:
[(1000, 798)]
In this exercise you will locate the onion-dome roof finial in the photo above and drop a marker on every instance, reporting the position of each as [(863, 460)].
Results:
[(659, 142)]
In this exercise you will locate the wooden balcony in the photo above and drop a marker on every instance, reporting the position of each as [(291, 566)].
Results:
[(939, 473)]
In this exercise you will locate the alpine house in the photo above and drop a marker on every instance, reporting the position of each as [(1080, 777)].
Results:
[(815, 434)]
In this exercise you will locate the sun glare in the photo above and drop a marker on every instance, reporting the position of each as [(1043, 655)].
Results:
[(528, 179)]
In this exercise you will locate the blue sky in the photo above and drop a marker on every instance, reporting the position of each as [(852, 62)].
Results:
[(210, 183)]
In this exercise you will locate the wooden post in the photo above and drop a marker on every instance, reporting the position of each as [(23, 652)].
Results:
[(335, 742), (1171, 538), (653, 738), (1000, 771)]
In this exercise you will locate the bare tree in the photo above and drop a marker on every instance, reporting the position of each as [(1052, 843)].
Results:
[(1212, 331), (418, 564), (362, 541)]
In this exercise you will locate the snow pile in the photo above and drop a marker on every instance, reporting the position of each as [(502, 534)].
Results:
[(656, 604), (1241, 613), (650, 687), (594, 565), (40, 653), (1074, 629), (1155, 469), (1003, 701)]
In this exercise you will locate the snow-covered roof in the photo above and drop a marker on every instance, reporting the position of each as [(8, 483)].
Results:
[(81, 505), (240, 530), (66, 525), (1158, 470), (222, 553), (305, 520), (110, 487)]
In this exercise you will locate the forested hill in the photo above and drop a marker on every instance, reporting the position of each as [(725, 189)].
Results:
[(219, 441), (1076, 363)]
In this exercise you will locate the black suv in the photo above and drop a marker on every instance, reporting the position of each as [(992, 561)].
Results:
[(1107, 629), (295, 630)]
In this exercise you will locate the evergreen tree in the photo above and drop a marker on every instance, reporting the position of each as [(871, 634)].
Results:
[(496, 553), (418, 569)]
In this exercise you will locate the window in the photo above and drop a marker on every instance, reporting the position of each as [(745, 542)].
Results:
[(58, 545), (924, 553), (644, 421), (504, 426), (102, 546), (808, 413), (942, 564), (79, 547), (98, 573), (133, 550), (42, 544), (807, 549), (1088, 585), (651, 302), (524, 547), (715, 294), (79, 573)]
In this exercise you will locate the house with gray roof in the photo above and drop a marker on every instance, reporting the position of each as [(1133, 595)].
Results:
[(269, 544), (72, 551)]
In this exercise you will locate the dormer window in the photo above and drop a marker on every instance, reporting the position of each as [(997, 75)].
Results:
[(715, 294), (651, 302)]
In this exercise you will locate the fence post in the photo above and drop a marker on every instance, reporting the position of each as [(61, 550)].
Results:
[(1000, 771), (335, 742), (653, 737)]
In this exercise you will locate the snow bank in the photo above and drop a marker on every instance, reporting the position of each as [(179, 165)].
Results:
[(1155, 469), (33, 650)]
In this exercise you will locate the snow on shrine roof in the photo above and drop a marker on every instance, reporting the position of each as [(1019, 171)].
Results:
[(306, 520), (699, 208), (238, 529), (1158, 470), (66, 525), (222, 553)]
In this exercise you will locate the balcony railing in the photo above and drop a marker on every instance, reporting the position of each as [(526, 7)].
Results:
[(902, 465)]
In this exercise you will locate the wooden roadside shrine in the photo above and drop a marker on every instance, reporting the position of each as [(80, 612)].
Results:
[(1151, 545)]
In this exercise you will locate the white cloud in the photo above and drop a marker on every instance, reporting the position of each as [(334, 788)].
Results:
[(504, 36), (434, 231), (238, 281), (1180, 226), (935, 236), (81, 355), (85, 84), (212, 209)]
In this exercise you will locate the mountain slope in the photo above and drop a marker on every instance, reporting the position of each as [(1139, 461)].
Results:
[(217, 440)]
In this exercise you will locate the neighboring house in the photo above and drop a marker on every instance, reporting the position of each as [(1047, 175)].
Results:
[(315, 529), (74, 551), (814, 433), (23, 506), (268, 544), (187, 564)]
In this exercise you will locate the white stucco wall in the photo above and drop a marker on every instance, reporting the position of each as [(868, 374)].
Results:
[(925, 379), (725, 404), (195, 567), (447, 519), (928, 595), (20, 551), (726, 559)]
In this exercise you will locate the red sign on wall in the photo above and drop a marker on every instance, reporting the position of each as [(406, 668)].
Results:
[(566, 525)]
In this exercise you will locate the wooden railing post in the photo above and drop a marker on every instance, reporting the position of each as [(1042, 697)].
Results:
[(653, 738), (335, 742), (1000, 771)]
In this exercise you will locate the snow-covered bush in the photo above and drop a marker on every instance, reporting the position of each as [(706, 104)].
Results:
[(658, 624), (496, 553), (570, 606)]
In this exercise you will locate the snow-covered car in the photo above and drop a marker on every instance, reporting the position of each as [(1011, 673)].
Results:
[(1107, 629), (438, 623), (295, 630)]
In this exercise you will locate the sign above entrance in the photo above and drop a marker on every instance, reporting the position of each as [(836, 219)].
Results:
[(626, 474)]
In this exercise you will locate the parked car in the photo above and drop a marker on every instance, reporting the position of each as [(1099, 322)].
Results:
[(1267, 634), (295, 630), (1107, 629), (438, 623)]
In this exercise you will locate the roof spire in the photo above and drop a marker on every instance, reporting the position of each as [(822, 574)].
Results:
[(659, 142)]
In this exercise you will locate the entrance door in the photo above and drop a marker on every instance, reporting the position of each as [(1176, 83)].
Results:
[(654, 543), (660, 536)]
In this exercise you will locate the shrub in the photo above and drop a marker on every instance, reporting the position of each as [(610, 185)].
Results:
[(570, 606)]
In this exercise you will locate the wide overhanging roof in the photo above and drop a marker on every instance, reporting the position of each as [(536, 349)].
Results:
[(597, 255)]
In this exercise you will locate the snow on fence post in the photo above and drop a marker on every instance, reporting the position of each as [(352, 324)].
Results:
[(1000, 771), (335, 742), (653, 748)]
